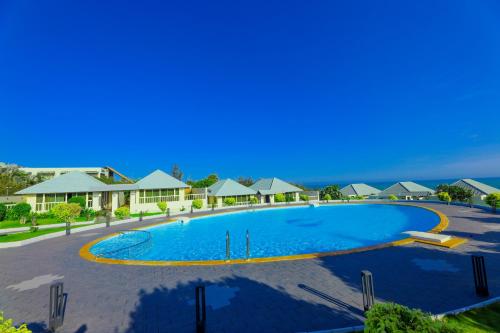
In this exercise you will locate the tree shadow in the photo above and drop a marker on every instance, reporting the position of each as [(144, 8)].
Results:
[(235, 304)]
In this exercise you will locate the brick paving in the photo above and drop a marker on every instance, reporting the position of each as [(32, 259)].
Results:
[(289, 296)]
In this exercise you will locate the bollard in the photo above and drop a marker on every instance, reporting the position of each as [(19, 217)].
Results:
[(368, 291), (201, 311), (248, 245), (56, 310), (108, 219), (140, 215), (228, 246), (213, 206), (480, 280), (168, 212), (191, 209), (68, 228)]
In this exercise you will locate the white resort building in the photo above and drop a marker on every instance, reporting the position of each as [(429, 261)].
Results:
[(229, 188), (142, 196), (407, 191), (479, 189), (359, 190), (267, 188)]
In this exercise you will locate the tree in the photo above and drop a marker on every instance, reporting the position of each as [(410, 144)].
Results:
[(333, 191), (444, 196), (327, 197), (12, 179), (3, 211), (205, 182), (493, 200), (456, 193), (176, 172), (66, 212), (393, 197), (245, 181), (197, 203), (162, 206), (78, 200)]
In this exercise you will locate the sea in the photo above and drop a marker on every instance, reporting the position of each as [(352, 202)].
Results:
[(381, 185)]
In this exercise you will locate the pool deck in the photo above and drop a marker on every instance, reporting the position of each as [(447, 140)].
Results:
[(288, 296)]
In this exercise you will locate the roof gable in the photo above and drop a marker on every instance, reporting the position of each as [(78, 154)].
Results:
[(273, 186), (229, 187), (159, 179), (359, 189), (71, 182), (477, 187), (407, 188)]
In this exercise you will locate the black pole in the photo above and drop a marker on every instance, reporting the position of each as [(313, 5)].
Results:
[(168, 212), (248, 245), (228, 246), (480, 279), (368, 291), (56, 309), (68, 228), (201, 311)]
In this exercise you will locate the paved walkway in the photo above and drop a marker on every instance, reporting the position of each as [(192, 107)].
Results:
[(288, 296)]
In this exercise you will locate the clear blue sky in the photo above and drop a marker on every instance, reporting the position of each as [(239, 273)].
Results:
[(307, 91)]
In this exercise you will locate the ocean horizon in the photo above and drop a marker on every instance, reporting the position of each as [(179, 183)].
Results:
[(381, 185)]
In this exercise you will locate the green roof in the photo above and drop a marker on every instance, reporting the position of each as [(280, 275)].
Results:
[(406, 189), (477, 187), (274, 185), (359, 189), (159, 179), (228, 187), (71, 182)]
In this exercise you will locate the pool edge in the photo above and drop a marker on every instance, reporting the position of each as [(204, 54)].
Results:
[(85, 253)]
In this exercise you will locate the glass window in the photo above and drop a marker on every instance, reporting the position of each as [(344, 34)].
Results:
[(50, 197), (60, 197), (156, 193), (39, 198)]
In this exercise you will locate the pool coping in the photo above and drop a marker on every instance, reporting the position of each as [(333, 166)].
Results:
[(87, 255)]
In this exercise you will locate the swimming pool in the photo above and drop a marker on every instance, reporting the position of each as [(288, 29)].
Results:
[(275, 232)]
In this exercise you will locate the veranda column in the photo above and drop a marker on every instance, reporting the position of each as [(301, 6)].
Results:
[(114, 201), (96, 201)]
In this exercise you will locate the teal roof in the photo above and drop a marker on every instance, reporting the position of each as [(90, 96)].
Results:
[(71, 182), (228, 187), (159, 179), (406, 189), (274, 185), (477, 187), (359, 189)]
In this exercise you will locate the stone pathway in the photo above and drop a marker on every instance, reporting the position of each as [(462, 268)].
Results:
[(289, 296)]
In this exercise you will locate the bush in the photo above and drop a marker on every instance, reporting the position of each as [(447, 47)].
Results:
[(393, 197), (327, 197), (44, 215), (122, 212), (3, 211), (6, 326), (66, 212), (333, 191), (21, 209), (290, 197), (162, 205), (279, 197), (493, 200), (229, 201), (304, 197), (78, 200), (197, 203), (444, 196), (254, 200), (392, 318), (88, 213)]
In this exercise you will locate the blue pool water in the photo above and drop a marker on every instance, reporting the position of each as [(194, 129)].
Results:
[(273, 232)]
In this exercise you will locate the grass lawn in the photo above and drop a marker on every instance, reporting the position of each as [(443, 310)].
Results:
[(146, 214), (15, 223), (481, 320), (30, 234)]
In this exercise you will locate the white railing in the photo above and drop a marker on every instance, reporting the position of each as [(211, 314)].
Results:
[(194, 196), (143, 200), (45, 206), (241, 203)]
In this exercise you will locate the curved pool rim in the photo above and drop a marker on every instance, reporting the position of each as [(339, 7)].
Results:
[(87, 255)]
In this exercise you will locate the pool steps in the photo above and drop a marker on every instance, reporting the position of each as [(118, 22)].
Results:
[(436, 239)]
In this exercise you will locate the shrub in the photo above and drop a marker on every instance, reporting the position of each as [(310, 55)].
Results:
[(444, 196), (21, 209), (66, 212), (88, 213), (197, 203), (162, 205), (493, 200), (304, 197), (393, 197), (78, 200), (229, 201), (254, 200), (44, 215), (6, 326), (122, 212), (3, 211), (290, 197), (279, 197), (392, 318), (327, 197)]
